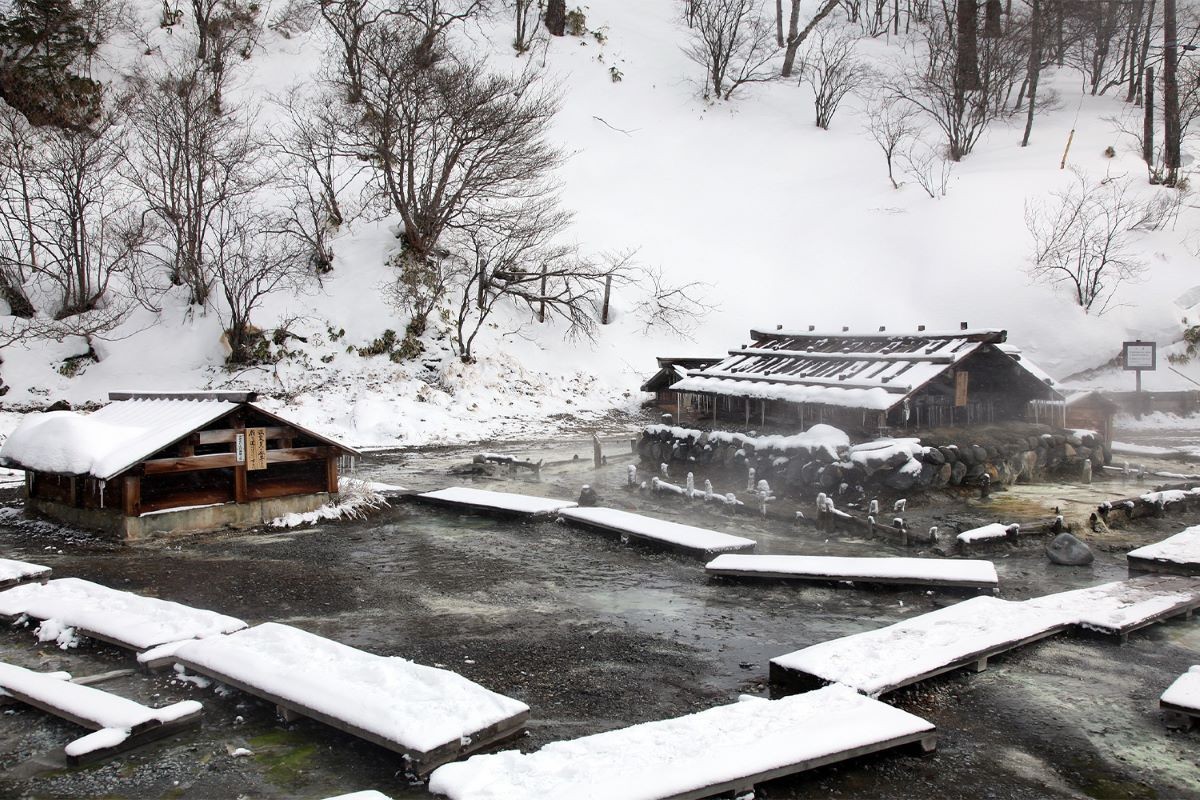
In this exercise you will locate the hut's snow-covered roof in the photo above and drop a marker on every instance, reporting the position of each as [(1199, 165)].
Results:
[(874, 371), (106, 442)]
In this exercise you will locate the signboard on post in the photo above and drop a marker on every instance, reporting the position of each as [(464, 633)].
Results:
[(1138, 356), (256, 448), (961, 379), (240, 447)]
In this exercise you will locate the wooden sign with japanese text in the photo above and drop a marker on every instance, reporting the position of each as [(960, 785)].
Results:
[(960, 388), (256, 448)]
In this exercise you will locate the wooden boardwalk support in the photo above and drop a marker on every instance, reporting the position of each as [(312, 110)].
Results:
[(657, 532), (430, 716), (119, 724), (944, 573), (1156, 503), (14, 573), (482, 501), (720, 751)]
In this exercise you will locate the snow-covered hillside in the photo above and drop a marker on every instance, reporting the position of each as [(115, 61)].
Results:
[(787, 223)]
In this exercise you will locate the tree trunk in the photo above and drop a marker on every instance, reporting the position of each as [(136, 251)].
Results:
[(991, 19), (1170, 93), (779, 23), (1148, 122), (797, 37), (1034, 69), (556, 17), (967, 55), (1134, 35)]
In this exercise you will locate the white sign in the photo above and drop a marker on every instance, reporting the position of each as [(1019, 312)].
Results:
[(241, 448), (1140, 355)]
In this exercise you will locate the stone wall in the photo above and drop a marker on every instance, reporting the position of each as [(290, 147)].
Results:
[(938, 459)]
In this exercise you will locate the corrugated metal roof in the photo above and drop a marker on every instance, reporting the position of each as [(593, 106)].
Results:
[(873, 370)]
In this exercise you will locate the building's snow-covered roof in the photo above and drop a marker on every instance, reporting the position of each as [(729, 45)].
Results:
[(109, 441), (857, 370)]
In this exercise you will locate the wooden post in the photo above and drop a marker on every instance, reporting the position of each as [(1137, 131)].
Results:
[(331, 472), (240, 489), (597, 454), (131, 495), (73, 490), (542, 304), (607, 292)]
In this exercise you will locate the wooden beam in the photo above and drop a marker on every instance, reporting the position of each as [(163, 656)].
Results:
[(224, 435), (189, 497), (240, 492), (160, 466), (331, 474), (131, 495), (920, 355), (794, 380)]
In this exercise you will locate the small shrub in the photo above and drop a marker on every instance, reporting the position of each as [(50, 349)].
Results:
[(576, 22), (615, 74)]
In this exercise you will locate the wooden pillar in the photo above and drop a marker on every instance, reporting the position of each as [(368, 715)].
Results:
[(73, 493), (131, 495), (331, 471)]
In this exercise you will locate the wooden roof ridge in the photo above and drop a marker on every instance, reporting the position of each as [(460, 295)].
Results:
[(825, 355), (987, 335), (223, 395)]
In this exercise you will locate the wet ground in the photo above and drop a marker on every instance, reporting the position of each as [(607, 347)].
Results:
[(595, 635)]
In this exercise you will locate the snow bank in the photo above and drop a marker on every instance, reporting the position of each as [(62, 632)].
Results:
[(366, 794), (1121, 605), (1182, 548), (417, 707), (15, 571), (357, 499), (498, 501), (672, 533), (114, 716), (914, 570), (1185, 691), (1169, 496), (120, 617), (885, 453), (819, 438), (674, 757), (878, 661)]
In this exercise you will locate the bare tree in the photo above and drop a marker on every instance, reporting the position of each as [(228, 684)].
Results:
[(733, 42), (833, 70), (1083, 238), (192, 157), (20, 227), (928, 166), (796, 36), (678, 308), (525, 13), (892, 123)]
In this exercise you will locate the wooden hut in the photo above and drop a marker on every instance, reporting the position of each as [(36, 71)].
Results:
[(671, 371), (172, 461), (872, 382), (1093, 411)]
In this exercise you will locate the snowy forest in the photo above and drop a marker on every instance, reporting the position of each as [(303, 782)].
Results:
[(443, 195)]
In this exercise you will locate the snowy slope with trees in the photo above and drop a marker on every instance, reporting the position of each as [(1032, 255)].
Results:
[(326, 263)]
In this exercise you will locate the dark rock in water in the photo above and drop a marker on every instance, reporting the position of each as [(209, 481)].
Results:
[(1067, 550), (934, 456), (958, 471), (587, 497)]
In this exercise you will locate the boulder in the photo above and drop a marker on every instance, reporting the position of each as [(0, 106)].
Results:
[(958, 471), (942, 478), (1069, 551), (949, 453), (933, 456)]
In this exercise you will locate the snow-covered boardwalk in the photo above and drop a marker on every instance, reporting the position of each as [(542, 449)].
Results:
[(670, 535), (724, 749), (71, 606), (118, 724), (429, 715), (1181, 700), (13, 573), (487, 502), (936, 572), (1178, 554), (1121, 607), (876, 662), (988, 534)]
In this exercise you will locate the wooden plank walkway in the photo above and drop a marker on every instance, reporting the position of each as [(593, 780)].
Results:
[(431, 716), (119, 724), (660, 533), (1121, 607), (482, 501), (1181, 701), (1178, 554), (13, 573), (951, 573), (122, 619), (880, 661), (727, 749)]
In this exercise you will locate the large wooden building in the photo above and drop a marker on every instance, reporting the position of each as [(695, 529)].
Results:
[(164, 462), (868, 382)]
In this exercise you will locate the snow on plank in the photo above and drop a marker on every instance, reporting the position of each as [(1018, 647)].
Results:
[(671, 535), (69, 606), (876, 662), (1120, 607), (1178, 554), (365, 794), (944, 572), (988, 533), (1181, 700), (487, 502), (429, 715), (723, 749), (119, 724), (17, 572)]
